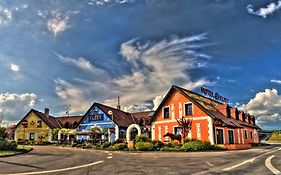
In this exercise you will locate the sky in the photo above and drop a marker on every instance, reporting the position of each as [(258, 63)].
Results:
[(67, 54)]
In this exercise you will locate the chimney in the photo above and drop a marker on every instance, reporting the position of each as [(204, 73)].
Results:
[(47, 112), (118, 105)]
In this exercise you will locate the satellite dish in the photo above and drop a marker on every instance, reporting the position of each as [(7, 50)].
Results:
[(110, 112)]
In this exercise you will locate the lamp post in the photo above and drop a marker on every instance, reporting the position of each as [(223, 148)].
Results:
[(111, 114), (24, 124)]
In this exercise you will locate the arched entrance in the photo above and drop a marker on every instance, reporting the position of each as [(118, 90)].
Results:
[(132, 131)]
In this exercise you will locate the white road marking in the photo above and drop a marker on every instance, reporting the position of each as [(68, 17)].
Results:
[(250, 160), (270, 166), (109, 154), (59, 170), (210, 164), (109, 157)]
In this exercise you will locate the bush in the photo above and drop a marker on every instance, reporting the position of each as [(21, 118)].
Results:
[(157, 145), (106, 145), (173, 144), (177, 148), (119, 141), (120, 146), (8, 145), (197, 146), (143, 138), (144, 146)]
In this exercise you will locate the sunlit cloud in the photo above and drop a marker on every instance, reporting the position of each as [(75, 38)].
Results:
[(14, 67), (265, 11)]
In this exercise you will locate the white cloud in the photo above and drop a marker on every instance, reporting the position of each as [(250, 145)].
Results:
[(265, 105), (14, 67), (5, 16), (154, 67), (57, 21), (15, 106), (264, 12), (275, 81), (156, 101), (72, 95), (81, 63)]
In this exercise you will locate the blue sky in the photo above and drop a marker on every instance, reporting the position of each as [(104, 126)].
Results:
[(56, 53)]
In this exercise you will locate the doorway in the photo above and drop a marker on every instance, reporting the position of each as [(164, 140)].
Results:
[(220, 138)]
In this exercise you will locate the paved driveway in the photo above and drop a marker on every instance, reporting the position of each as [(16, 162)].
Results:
[(54, 160)]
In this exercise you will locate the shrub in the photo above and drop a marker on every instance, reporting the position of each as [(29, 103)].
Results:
[(106, 145), (120, 146), (143, 138), (173, 144), (177, 148), (144, 146), (8, 145), (79, 145), (119, 141), (157, 145), (197, 146)]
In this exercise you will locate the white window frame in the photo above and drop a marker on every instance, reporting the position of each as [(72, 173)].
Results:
[(233, 135), (247, 135), (185, 110), (222, 134), (169, 112)]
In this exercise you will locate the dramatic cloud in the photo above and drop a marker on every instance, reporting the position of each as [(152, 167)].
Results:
[(265, 105), (80, 63), (264, 12), (154, 67), (275, 81), (5, 16), (72, 95), (14, 67), (15, 106)]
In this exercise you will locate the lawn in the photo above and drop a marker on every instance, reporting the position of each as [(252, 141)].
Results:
[(6, 153), (275, 137)]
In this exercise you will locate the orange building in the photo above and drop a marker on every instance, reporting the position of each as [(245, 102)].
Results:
[(212, 121)]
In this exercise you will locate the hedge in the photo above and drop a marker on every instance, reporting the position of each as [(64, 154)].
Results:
[(8, 145), (144, 146), (197, 146)]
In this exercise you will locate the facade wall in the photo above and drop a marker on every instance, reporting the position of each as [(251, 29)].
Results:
[(32, 119), (201, 122), (96, 117)]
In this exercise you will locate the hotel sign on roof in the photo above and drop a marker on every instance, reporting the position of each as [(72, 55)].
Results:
[(213, 95)]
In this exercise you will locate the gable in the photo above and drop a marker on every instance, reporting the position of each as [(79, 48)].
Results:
[(176, 101), (95, 116), (32, 119)]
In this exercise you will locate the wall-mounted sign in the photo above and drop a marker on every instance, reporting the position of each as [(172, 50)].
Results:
[(216, 95), (96, 117)]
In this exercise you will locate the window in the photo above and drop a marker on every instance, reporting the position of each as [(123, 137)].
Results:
[(188, 109), (237, 114), (246, 134), (251, 134), (228, 113), (177, 130), (244, 117), (31, 136), (166, 112), (39, 124)]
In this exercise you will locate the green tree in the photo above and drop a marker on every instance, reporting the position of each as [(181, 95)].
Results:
[(3, 133)]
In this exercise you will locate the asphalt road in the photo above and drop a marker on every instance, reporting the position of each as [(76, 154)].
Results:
[(71, 161)]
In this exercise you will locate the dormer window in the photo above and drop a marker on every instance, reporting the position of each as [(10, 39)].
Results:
[(228, 113), (249, 119), (237, 114), (243, 117), (166, 112)]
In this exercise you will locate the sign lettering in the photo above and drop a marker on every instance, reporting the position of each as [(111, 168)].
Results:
[(213, 95), (96, 117)]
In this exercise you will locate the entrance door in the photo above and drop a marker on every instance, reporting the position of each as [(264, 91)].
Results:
[(230, 137), (220, 136)]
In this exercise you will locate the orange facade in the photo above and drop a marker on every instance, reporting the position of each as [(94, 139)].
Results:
[(176, 105)]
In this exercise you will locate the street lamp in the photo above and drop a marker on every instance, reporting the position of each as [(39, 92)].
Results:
[(111, 114)]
